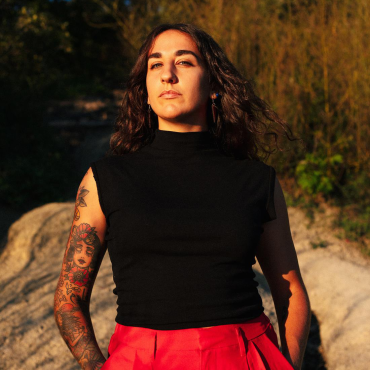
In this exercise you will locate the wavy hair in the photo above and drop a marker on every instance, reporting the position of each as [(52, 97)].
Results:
[(243, 122)]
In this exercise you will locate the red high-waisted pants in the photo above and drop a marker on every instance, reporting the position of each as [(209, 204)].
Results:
[(248, 345)]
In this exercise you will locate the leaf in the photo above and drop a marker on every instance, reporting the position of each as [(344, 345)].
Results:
[(77, 214), (83, 193)]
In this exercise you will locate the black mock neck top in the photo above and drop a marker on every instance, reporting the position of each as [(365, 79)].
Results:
[(183, 222)]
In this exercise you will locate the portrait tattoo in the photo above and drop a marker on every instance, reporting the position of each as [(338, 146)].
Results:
[(81, 255), (80, 201)]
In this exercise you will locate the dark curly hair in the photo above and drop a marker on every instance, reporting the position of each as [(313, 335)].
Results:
[(244, 120)]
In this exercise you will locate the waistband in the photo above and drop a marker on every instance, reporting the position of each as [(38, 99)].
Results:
[(193, 338)]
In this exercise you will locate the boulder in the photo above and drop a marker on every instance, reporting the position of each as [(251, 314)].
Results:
[(337, 279)]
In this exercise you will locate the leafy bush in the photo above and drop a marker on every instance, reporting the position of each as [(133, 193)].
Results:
[(316, 174)]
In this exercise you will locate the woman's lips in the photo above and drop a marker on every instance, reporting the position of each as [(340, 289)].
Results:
[(169, 94), (81, 261)]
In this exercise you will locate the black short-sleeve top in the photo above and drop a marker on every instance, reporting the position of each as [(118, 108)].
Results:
[(183, 222)]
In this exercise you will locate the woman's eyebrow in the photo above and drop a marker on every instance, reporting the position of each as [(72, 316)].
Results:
[(177, 54)]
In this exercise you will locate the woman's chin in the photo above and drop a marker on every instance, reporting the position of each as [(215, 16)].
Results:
[(174, 117), (170, 114)]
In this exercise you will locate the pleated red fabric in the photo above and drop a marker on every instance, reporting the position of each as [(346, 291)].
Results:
[(244, 346)]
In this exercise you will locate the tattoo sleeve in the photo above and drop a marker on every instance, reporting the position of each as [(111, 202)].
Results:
[(81, 263)]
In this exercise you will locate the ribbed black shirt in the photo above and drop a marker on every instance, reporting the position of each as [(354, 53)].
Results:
[(183, 224)]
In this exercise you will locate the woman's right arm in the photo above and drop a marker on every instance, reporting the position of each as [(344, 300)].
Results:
[(82, 259), (278, 259)]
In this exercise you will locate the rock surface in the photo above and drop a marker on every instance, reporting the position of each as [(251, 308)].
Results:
[(336, 277)]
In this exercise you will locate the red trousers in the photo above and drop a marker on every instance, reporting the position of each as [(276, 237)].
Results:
[(248, 345)]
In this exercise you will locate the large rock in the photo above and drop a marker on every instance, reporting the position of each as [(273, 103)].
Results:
[(30, 267), (337, 282), (337, 278)]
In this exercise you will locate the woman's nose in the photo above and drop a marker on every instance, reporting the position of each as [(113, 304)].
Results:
[(168, 75)]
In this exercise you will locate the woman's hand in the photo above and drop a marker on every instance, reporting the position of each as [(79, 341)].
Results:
[(83, 256), (278, 259)]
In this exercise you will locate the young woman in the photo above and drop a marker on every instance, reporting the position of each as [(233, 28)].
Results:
[(184, 204)]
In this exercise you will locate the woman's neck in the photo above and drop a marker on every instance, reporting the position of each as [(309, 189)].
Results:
[(181, 126)]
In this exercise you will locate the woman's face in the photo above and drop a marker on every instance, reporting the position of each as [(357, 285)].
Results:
[(83, 255), (175, 63)]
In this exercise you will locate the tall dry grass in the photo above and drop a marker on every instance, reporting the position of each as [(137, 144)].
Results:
[(310, 60)]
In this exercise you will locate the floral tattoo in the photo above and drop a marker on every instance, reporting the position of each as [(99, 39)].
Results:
[(80, 202)]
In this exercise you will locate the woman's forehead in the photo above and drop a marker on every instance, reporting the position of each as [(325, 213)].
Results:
[(170, 41)]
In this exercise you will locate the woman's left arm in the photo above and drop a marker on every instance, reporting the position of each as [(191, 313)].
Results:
[(278, 260)]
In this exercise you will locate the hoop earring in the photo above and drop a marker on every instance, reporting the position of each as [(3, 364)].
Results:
[(214, 110)]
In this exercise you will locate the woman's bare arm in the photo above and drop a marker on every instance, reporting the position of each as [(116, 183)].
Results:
[(83, 256), (278, 259)]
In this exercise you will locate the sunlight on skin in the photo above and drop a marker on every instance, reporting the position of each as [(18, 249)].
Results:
[(176, 65)]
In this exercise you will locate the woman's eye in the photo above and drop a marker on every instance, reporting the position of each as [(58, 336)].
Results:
[(184, 61), (153, 66), (159, 64)]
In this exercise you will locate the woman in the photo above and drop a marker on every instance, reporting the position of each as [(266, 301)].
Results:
[(184, 204)]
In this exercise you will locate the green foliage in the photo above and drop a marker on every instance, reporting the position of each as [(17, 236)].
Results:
[(290, 200), (356, 187), (355, 204), (319, 244), (50, 47), (316, 174), (355, 225), (50, 52), (309, 60), (353, 219)]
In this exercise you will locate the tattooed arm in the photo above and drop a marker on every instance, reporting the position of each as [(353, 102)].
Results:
[(277, 257), (83, 256)]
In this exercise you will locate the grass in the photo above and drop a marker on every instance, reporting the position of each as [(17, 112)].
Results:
[(352, 222), (319, 244)]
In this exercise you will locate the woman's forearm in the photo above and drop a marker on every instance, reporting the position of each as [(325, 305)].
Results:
[(76, 329), (294, 317)]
